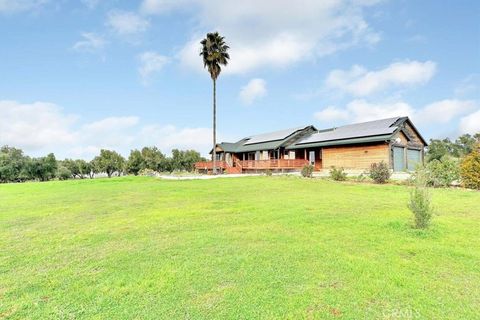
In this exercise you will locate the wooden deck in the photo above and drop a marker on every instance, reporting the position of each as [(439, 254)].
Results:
[(239, 165), (273, 164), (208, 165)]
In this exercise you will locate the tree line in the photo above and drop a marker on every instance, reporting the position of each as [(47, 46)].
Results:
[(15, 166), (463, 145), (450, 161)]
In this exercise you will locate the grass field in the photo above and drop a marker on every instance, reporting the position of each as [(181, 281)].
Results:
[(241, 248)]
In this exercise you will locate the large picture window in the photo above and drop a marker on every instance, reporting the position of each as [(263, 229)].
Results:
[(398, 159)]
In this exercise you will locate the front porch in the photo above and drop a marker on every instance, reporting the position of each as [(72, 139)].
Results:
[(272, 164), (240, 166), (208, 165)]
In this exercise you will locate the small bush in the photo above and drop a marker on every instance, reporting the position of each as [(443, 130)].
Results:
[(307, 171), (420, 200), (338, 174), (379, 172), (63, 173), (442, 173), (360, 178), (470, 169), (268, 173), (148, 172)]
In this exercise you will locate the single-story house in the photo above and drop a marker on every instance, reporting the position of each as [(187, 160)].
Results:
[(353, 147)]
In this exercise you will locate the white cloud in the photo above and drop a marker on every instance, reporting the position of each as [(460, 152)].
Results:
[(359, 110), (34, 126), (169, 137), (110, 124), (39, 128), (151, 62), (255, 89), (362, 110), (13, 6), (161, 6), (125, 23), (282, 50), (358, 81), (284, 32), (91, 42), (117, 133), (332, 113), (443, 111), (470, 123)]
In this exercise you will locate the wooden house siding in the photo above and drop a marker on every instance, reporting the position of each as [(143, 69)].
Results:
[(355, 147), (403, 138), (407, 139), (355, 157), (413, 135)]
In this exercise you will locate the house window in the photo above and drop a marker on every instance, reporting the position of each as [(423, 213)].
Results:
[(398, 159), (414, 157), (311, 157), (265, 155), (228, 159)]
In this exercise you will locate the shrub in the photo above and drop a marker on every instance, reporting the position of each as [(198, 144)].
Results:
[(338, 174), (360, 178), (148, 172), (379, 172), (268, 173), (470, 169), (307, 171), (63, 173), (420, 200), (442, 173)]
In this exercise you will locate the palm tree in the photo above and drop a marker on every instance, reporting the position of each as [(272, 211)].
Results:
[(214, 53)]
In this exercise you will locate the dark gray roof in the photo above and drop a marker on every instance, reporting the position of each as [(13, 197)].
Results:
[(365, 132), (269, 145), (228, 146), (273, 136), (341, 142), (266, 141), (357, 130)]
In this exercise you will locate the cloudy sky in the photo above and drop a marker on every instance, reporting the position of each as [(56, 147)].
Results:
[(77, 76)]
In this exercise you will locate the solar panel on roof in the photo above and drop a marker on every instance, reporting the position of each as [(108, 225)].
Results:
[(365, 129), (272, 136)]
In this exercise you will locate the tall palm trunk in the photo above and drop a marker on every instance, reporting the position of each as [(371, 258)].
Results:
[(214, 168)]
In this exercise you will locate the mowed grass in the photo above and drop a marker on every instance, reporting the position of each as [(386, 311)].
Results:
[(237, 248)]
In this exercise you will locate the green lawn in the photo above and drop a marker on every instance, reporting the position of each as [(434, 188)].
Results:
[(239, 248)]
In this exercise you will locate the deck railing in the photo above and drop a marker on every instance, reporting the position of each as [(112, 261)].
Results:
[(255, 164), (208, 165), (273, 164)]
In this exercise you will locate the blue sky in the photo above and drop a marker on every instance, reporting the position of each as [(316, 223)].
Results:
[(78, 76)]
